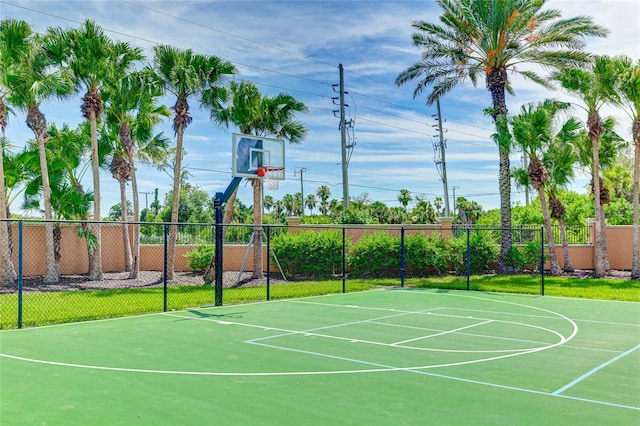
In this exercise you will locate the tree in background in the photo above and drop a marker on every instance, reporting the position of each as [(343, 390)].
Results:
[(533, 133), (477, 39), (94, 60), (35, 81), (14, 36), (628, 88), (468, 211), (133, 112), (324, 193), (244, 107), (310, 202), (269, 203), (67, 149), (560, 160), (593, 87), (404, 197), (186, 74)]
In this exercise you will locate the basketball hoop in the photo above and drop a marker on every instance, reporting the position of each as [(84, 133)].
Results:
[(272, 176)]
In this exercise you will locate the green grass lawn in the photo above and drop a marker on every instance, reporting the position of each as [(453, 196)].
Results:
[(71, 306)]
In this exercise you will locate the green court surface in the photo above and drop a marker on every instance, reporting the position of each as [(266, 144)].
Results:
[(387, 357)]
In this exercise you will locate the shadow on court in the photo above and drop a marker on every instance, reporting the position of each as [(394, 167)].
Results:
[(211, 315)]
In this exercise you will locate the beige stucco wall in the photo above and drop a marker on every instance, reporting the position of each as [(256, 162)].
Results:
[(74, 258)]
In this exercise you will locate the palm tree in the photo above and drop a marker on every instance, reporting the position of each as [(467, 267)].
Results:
[(468, 211), (121, 171), (132, 108), (95, 60), (311, 203), (279, 208), (269, 202), (115, 212), (335, 207), (245, 108), (36, 81), (289, 204), (560, 159), (186, 74), (533, 134), (69, 201), (298, 207), (404, 198), (324, 193), (628, 88), (14, 36), (594, 88), (490, 38)]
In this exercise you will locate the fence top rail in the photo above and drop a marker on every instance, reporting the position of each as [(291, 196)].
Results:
[(37, 221), (406, 226)]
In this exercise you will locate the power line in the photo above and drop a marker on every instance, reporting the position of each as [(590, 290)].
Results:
[(262, 68), (283, 74), (227, 33)]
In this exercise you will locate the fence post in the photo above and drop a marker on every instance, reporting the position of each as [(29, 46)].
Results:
[(541, 261), (402, 256), (20, 224), (468, 258), (268, 232), (165, 266), (344, 258), (217, 205)]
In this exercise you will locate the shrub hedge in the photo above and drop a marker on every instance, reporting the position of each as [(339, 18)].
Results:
[(318, 254)]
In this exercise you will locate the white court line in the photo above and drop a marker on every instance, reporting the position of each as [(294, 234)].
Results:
[(595, 370), (441, 334), (387, 324), (416, 369), (545, 316), (442, 376), (311, 330), (505, 353)]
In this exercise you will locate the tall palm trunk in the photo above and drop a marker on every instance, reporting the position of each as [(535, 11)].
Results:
[(566, 258), (135, 260), (173, 230), (95, 251), (126, 240), (595, 131), (557, 212), (36, 122), (538, 176), (257, 229), (7, 271), (603, 227), (127, 143), (496, 83), (635, 269), (553, 257)]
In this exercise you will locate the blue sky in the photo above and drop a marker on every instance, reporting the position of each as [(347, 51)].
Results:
[(295, 47)]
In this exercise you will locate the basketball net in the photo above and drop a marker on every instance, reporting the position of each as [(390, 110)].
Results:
[(272, 176)]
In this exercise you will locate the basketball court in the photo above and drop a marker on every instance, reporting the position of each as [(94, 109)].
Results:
[(379, 357)]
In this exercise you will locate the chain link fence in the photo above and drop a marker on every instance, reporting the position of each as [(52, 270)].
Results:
[(258, 263)]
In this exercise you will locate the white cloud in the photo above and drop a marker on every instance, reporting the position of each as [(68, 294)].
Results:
[(295, 47)]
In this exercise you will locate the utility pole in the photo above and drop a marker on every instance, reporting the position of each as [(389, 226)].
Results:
[(439, 158), (454, 196), (146, 199), (343, 138), (300, 170)]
